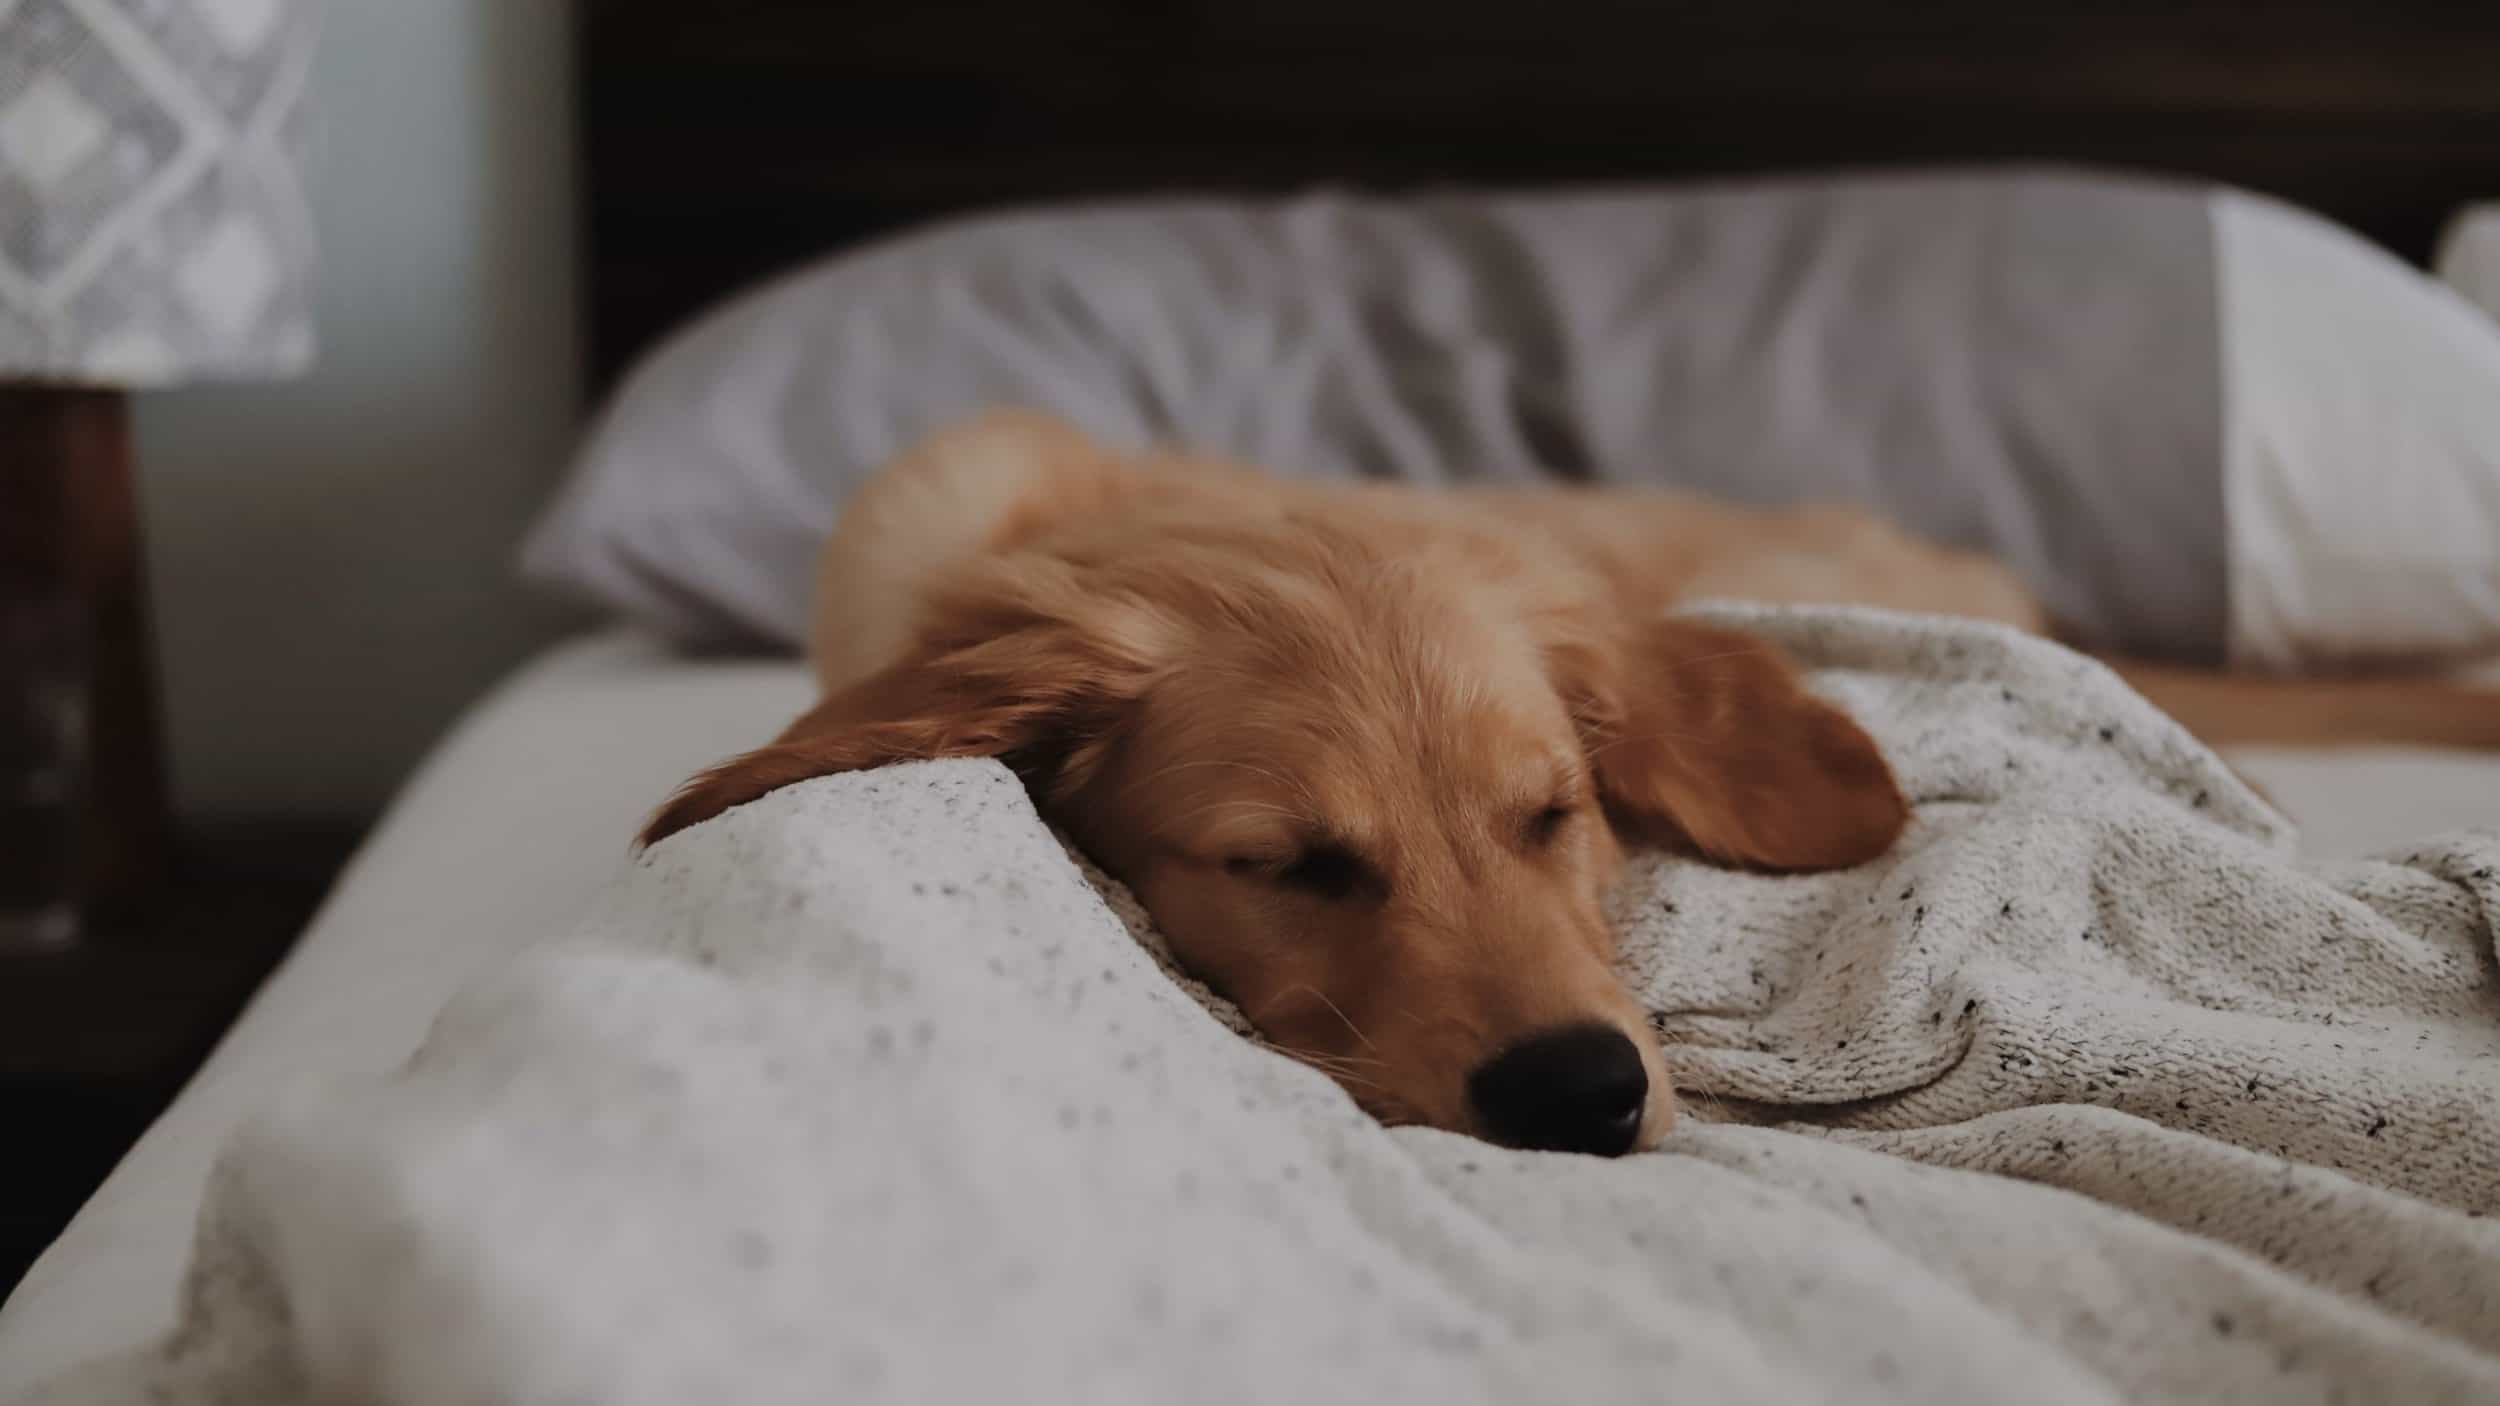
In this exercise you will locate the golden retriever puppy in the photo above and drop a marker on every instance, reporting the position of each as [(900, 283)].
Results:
[(1366, 754)]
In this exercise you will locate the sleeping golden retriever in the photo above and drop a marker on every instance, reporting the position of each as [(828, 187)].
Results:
[(1365, 753)]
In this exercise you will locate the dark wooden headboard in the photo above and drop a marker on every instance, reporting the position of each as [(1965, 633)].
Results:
[(727, 138)]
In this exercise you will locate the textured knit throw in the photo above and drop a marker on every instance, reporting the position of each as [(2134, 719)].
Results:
[(867, 1092)]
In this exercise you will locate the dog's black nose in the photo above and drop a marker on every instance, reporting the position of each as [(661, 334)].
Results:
[(1578, 1089)]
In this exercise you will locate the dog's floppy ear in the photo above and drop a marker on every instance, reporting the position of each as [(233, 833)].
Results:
[(1024, 664), (1708, 733)]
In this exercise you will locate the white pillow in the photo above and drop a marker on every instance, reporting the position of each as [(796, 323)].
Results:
[(2201, 424), (2469, 255), (2361, 447)]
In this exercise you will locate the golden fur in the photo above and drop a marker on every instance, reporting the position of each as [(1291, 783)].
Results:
[(1363, 752)]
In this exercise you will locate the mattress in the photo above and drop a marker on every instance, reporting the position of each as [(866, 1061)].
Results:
[(523, 812)]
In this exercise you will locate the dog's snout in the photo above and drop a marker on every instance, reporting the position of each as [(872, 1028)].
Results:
[(1578, 1089)]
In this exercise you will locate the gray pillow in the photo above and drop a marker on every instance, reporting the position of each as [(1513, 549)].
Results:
[(2028, 362)]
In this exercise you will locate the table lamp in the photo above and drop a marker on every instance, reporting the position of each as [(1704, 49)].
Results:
[(152, 232)]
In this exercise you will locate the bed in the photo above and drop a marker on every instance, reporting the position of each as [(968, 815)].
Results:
[(513, 824), (519, 818), (591, 732)]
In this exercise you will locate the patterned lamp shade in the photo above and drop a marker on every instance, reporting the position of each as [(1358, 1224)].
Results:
[(152, 227)]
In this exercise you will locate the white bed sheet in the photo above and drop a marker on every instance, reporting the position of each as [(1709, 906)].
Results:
[(525, 810), (517, 817)]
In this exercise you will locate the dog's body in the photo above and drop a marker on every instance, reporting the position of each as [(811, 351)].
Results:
[(1008, 480), (1364, 752)]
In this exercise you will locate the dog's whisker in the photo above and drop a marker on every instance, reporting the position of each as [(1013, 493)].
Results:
[(1333, 1009), (1343, 1076), (1703, 1097), (1355, 1030), (1292, 784), (1724, 747), (1302, 818), (1711, 658), (1335, 1062), (1625, 739)]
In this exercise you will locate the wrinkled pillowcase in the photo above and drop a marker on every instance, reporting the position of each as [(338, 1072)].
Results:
[(2203, 424)]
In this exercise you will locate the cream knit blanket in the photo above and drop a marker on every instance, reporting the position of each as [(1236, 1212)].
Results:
[(2090, 1093)]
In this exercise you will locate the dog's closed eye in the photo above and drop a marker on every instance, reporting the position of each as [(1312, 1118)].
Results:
[(1330, 872), (1546, 826)]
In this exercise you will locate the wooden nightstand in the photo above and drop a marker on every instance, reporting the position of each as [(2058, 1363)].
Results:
[(69, 533), (95, 1040)]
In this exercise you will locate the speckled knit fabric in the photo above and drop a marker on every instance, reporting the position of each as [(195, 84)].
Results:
[(2089, 1093)]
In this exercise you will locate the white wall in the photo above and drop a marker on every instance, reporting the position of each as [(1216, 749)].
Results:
[(331, 557)]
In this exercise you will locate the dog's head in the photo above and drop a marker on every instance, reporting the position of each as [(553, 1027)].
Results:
[(1368, 777)]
